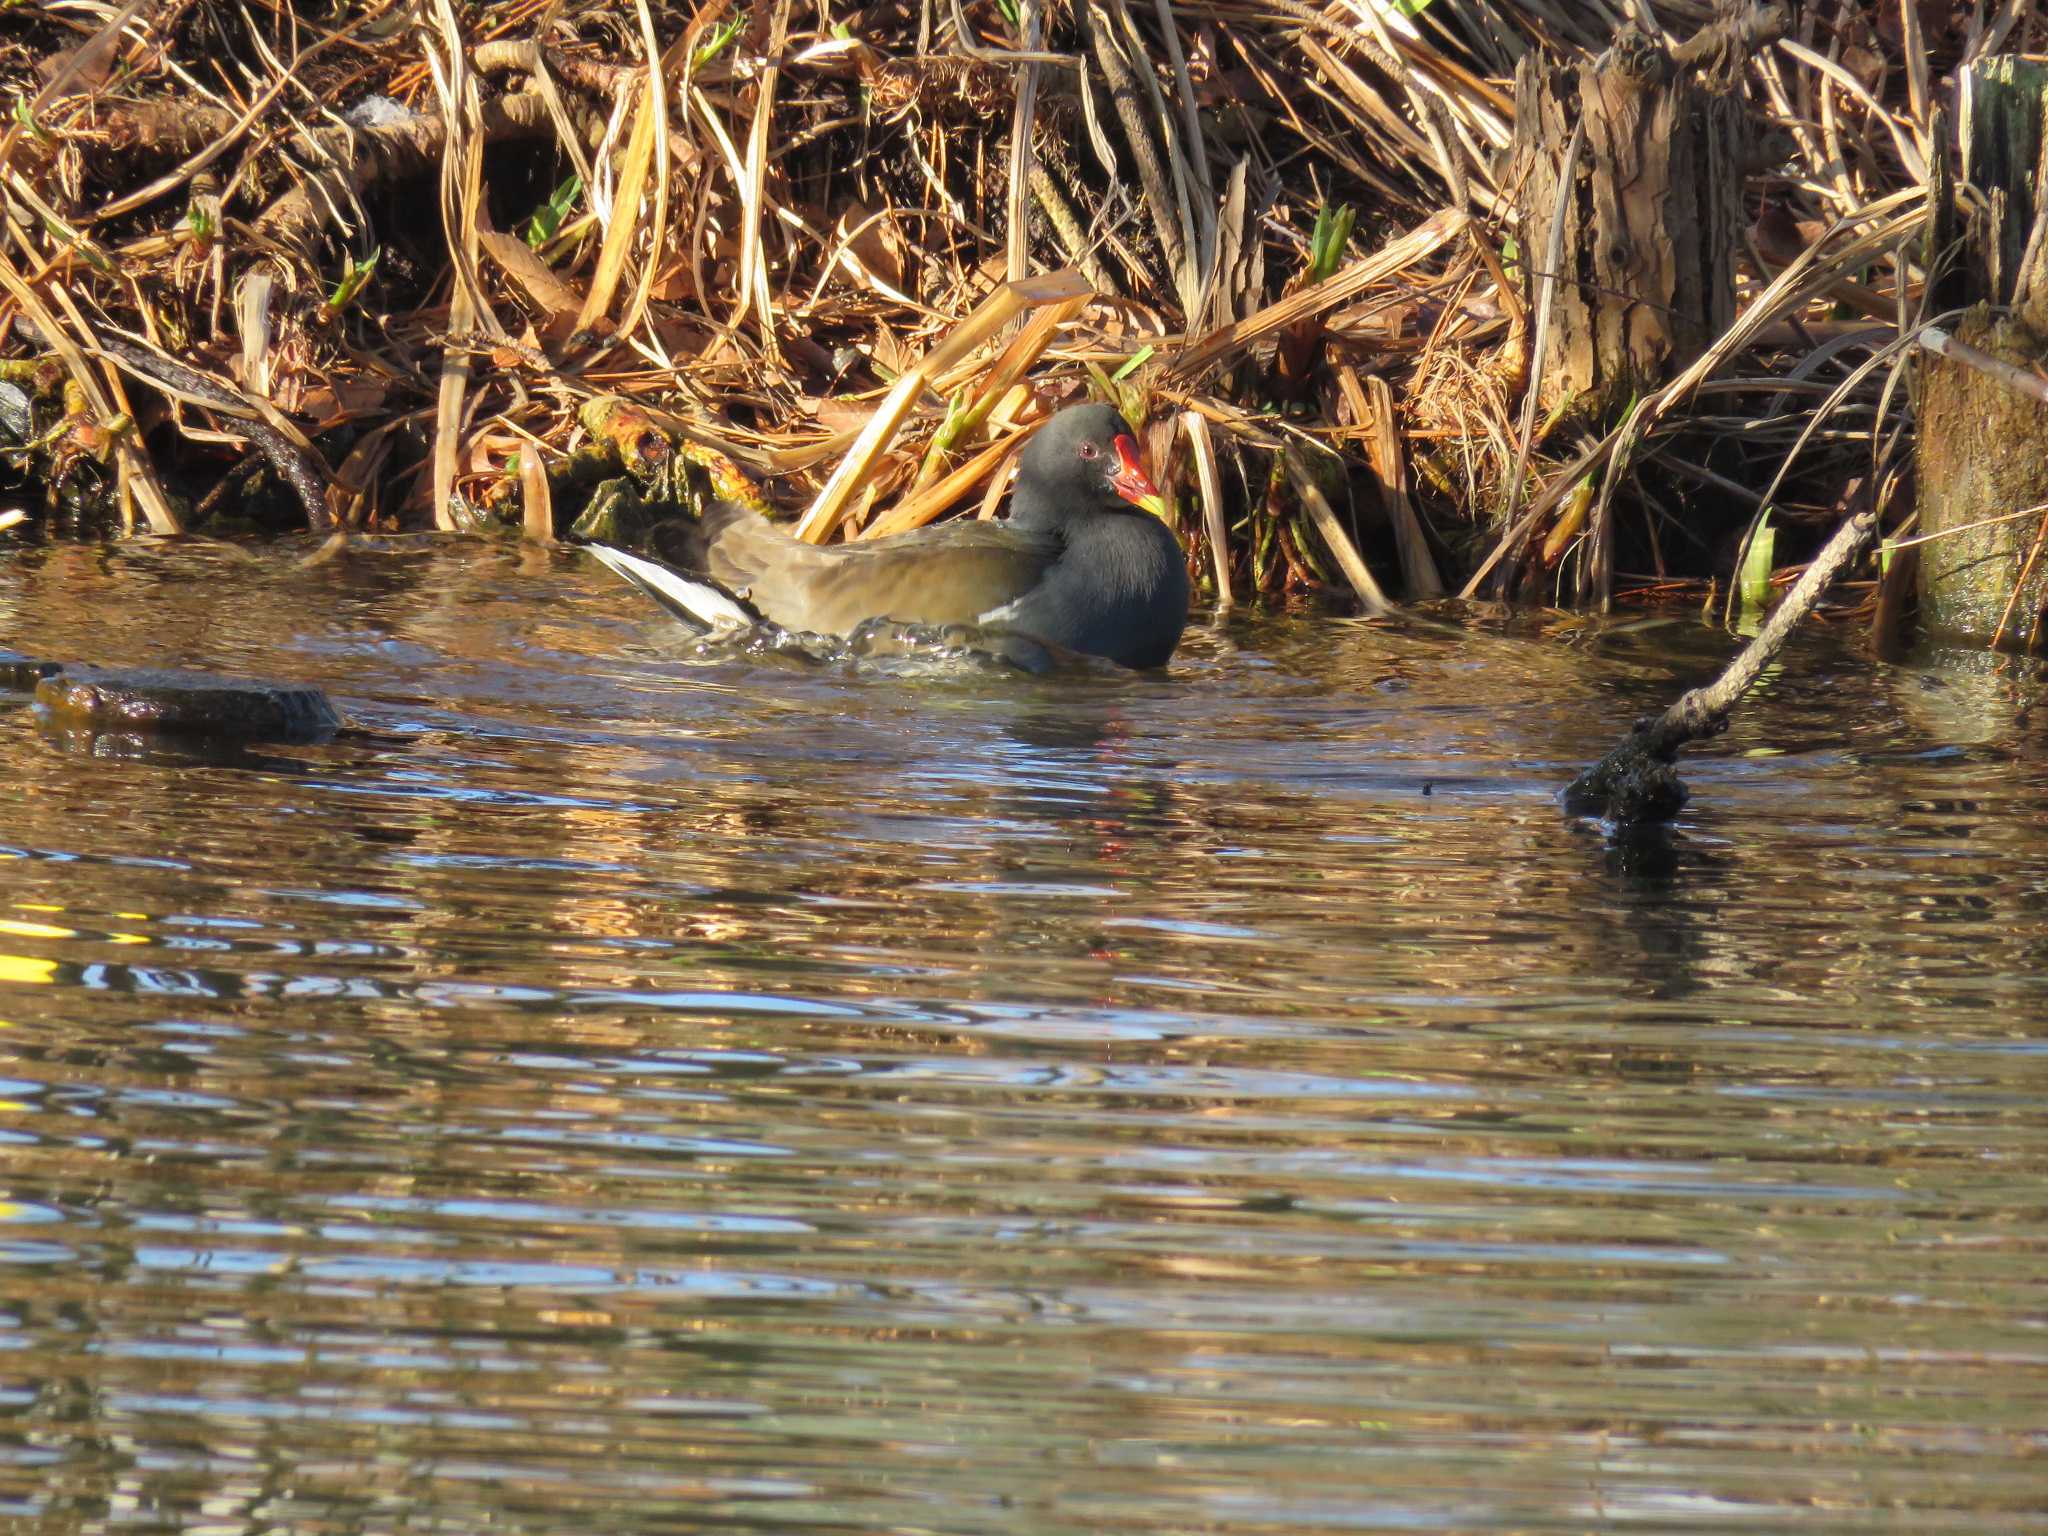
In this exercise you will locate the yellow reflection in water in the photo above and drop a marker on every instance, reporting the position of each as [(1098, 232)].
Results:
[(35, 930), (25, 930), (26, 970)]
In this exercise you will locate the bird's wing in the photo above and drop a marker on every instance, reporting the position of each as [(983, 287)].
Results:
[(957, 573), (952, 574)]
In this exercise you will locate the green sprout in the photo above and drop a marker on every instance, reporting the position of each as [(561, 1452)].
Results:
[(354, 275), (547, 218), (1326, 245), (26, 118), (1754, 580), (717, 43)]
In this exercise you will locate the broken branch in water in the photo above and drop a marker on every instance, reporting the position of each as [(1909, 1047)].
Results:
[(1635, 785)]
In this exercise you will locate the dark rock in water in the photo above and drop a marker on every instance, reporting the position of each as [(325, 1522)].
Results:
[(187, 703), (24, 672)]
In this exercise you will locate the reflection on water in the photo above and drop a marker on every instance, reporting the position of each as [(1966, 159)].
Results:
[(615, 1091)]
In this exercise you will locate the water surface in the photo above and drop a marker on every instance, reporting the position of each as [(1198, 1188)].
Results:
[(622, 1091)]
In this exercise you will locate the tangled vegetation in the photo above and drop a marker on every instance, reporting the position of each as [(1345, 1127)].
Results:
[(443, 264)]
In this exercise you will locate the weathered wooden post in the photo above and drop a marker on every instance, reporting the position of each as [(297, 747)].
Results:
[(1982, 444), (1652, 216), (1626, 175)]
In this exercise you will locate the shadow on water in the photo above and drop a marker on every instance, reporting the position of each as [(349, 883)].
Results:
[(624, 1087)]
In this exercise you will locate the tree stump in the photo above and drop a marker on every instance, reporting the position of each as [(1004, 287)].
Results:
[(1652, 206), (1982, 445)]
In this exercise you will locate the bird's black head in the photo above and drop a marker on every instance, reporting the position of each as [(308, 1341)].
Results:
[(1084, 460)]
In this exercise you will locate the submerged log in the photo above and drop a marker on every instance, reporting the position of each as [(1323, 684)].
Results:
[(1982, 444), (152, 700), (1652, 217)]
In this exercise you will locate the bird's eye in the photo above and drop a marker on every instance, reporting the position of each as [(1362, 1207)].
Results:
[(1089, 450)]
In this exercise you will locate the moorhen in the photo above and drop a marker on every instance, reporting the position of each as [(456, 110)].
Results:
[(1079, 564)]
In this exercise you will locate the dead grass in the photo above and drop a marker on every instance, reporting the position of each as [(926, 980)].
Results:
[(858, 251)]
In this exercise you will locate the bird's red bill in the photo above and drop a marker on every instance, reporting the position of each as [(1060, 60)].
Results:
[(1131, 481)]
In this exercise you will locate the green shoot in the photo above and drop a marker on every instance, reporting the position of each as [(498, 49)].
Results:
[(71, 239), (1326, 244), (23, 116), (959, 420), (1754, 579), (547, 218), (353, 277), (720, 39), (1112, 391), (1133, 363)]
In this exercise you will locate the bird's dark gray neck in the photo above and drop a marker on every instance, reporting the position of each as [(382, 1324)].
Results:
[(1043, 512), (1035, 511)]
